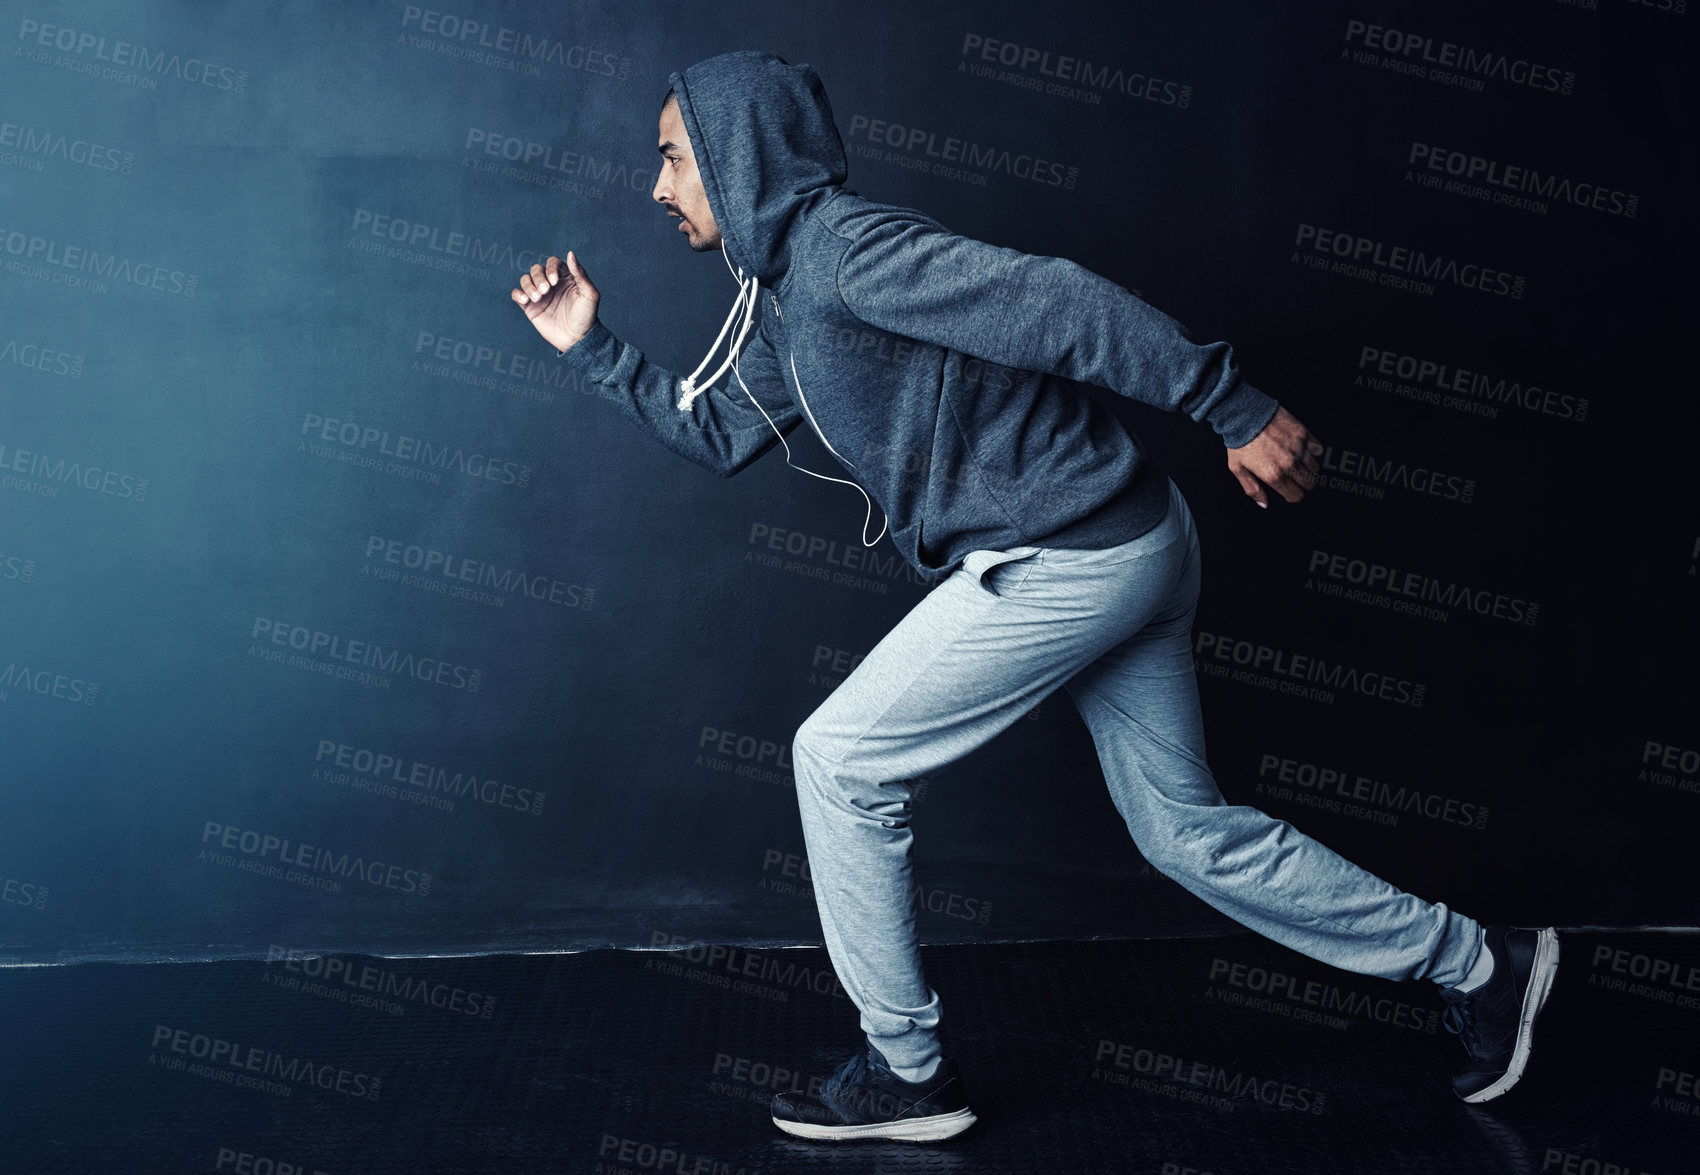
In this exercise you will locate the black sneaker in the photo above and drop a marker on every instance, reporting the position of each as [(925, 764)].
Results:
[(864, 1099), (1497, 1021)]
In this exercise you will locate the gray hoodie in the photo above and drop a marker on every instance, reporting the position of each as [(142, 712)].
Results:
[(942, 372)]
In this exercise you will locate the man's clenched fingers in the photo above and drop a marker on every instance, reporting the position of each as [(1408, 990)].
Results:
[(535, 284), (1252, 487)]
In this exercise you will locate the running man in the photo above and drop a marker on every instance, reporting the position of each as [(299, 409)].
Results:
[(945, 375)]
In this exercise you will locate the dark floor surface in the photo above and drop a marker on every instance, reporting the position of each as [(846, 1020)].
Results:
[(1229, 1055)]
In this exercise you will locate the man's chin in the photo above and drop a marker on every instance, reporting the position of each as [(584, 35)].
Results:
[(704, 244)]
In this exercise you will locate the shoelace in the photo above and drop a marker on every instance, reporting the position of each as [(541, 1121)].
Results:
[(851, 1087), (852, 1073), (1460, 1020)]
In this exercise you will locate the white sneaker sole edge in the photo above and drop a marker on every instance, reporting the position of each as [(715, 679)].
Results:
[(933, 1129)]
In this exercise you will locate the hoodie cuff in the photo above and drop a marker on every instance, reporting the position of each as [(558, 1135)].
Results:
[(1241, 415), (597, 351)]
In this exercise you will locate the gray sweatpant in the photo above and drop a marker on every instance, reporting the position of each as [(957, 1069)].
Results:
[(1115, 628)]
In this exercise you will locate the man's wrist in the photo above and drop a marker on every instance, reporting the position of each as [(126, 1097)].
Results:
[(560, 352), (1248, 406), (586, 346)]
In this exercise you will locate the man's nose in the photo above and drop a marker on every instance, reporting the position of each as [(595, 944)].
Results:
[(659, 192)]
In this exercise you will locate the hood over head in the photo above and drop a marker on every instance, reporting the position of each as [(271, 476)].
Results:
[(766, 147)]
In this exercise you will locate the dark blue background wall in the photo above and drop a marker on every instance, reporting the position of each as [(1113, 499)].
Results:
[(254, 264)]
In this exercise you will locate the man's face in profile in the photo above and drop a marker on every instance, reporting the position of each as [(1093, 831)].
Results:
[(679, 187)]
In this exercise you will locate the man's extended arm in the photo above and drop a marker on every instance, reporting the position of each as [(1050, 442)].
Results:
[(722, 430), (916, 278), (912, 276)]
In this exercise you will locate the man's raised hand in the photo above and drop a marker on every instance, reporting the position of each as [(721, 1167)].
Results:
[(559, 299), (1282, 456)]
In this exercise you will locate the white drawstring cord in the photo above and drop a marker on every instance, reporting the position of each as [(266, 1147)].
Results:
[(688, 386), (688, 390)]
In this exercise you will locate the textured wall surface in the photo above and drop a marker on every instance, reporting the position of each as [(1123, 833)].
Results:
[(332, 616)]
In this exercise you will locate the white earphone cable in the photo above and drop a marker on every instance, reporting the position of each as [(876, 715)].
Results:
[(689, 389)]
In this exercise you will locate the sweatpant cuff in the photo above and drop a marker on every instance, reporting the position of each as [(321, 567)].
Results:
[(1465, 940), (910, 1050)]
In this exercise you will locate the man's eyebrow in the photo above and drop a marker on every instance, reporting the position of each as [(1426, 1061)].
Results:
[(669, 145)]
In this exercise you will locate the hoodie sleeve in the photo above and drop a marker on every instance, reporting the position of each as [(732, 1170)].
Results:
[(914, 277), (722, 430)]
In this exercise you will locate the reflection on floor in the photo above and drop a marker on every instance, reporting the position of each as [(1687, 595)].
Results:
[(1229, 1055)]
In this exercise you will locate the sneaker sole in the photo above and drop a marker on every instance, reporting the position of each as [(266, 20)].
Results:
[(933, 1129), (1541, 972)]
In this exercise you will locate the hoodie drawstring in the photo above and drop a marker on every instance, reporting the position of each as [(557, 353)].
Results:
[(689, 391)]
